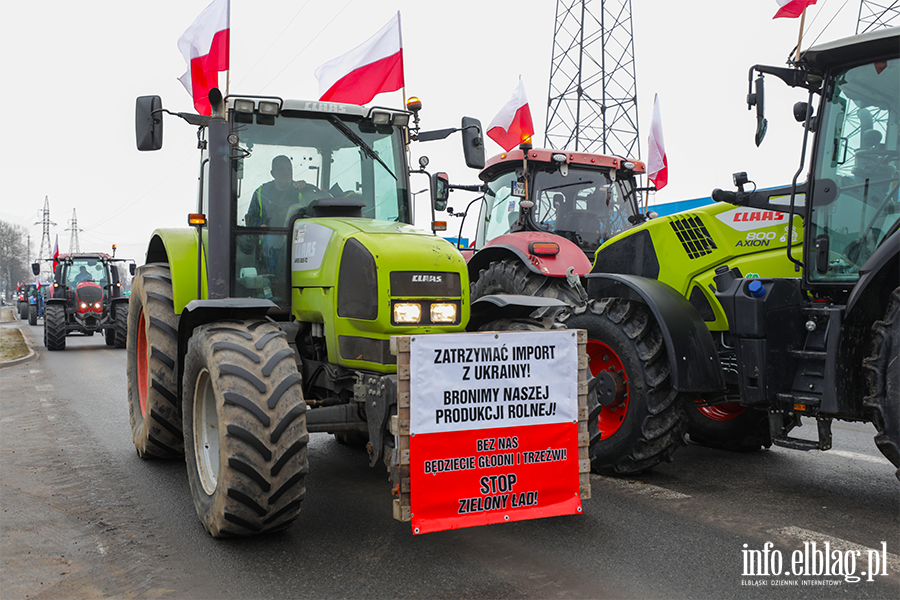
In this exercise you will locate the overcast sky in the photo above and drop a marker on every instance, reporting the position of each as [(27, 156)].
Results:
[(72, 72)]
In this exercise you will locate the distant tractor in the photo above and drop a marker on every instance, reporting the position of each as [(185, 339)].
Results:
[(87, 297)]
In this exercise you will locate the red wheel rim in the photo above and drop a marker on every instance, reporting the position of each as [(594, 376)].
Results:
[(722, 412), (601, 358), (143, 367)]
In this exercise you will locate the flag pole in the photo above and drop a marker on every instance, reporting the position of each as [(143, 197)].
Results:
[(228, 70), (400, 29), (800, 37)]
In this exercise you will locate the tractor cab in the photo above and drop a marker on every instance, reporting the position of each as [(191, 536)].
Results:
[(295, 160), (585, 198)]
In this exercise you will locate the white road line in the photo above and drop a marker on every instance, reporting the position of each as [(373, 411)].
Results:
[(46, 387), (805, 535), (857, 456), (644, 489)]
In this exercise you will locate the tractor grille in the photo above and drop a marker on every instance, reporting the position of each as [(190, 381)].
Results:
[(693, 236)]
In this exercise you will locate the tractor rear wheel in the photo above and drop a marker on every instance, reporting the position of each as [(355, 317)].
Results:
[(55, 327), (729, 426), (152, 338), (120, 336), (510, 276), (245, 420), (882, 369), (643, 420)]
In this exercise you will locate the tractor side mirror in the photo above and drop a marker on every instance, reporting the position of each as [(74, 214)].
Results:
[(758, 99), (36, 268), (148, 124), (132, 268), (440, 191), (473, 143)]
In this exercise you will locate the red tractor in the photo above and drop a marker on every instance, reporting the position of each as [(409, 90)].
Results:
[(89, 295), (543, 215)]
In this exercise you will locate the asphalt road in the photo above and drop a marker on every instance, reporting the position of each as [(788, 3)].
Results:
[(81, 516)]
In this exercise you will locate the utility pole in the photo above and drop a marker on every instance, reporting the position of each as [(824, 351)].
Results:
[(877, 14), (73, 238), (592, 104), (45, 222)]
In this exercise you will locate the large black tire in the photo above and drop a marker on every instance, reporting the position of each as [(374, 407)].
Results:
[(882, 369), (120, 337), (649, 424), (32, 314), (152, 347), (729, 426), (245, 418), (55, 327), (510, 276), (110, 336)]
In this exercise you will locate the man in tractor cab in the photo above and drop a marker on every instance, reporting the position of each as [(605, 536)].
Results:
[(82, 276), (271, 201)]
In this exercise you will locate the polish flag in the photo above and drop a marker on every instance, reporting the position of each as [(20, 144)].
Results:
[(204, 46), (791, 9), (374, 67), (657, 163), (512, 125), (56, 253)]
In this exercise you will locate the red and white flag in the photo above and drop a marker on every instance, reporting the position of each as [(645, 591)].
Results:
[(204, 46), (657, 163), (512, 125), (791, 9), (374, 67), (56, 253)]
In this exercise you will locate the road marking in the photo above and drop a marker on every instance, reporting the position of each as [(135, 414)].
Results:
[(857, 456), (805, 535), (644, 489), (46, 387)]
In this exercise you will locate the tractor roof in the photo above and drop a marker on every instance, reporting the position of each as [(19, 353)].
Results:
[(545, 155), (857, 48)]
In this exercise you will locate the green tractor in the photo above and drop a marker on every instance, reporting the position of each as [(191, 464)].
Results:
[(791, 294), (271, 316)]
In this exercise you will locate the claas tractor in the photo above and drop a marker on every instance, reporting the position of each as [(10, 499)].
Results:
[(87, 297), (791, 292), (270, 316)]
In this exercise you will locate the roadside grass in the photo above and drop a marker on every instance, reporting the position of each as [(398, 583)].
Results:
[(12, 344)]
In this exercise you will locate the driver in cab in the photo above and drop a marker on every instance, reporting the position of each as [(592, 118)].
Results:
[(271, 201)]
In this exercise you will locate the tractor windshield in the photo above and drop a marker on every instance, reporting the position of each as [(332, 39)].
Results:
[(858, 149), (289, 164), (585, 206)]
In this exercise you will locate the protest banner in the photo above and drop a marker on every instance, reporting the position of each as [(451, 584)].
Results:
[(494, 431)]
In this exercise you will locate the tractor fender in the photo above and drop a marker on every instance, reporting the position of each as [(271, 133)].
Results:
[(200, 312), (507, 306), (515, 245), (693, 357)]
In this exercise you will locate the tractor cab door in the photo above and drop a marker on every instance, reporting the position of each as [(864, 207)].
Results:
[(857, 149)]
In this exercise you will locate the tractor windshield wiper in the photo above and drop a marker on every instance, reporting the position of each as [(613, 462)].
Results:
[(350, 135)]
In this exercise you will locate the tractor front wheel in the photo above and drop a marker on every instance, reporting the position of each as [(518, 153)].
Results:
[(642, 420), (245, 425), (120, 335), (152, 338), (510, 276), (32, 314), (55, 327)]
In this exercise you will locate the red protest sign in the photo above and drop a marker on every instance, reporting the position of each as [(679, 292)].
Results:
[(494, 425)]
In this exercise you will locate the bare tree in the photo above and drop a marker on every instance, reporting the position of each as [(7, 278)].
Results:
[(12, 258)]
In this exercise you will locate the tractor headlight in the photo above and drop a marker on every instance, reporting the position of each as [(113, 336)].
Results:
[(98, 305), (407, 312), (83, 306), (443, 312)]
